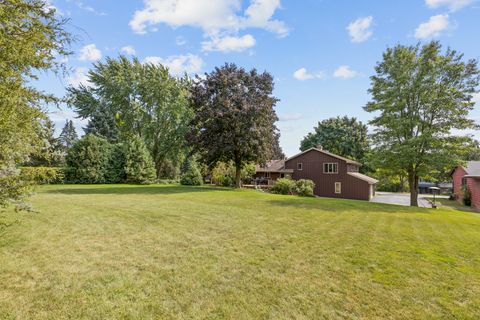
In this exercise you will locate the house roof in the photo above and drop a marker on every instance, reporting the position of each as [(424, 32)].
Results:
[(363, 177), (349, 161), (472, 168), (273, 166)]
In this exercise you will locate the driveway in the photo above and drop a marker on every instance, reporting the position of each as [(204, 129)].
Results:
[(402, 199)]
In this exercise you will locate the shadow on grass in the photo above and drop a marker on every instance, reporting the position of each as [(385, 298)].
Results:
[(131, 189), (345, 205)]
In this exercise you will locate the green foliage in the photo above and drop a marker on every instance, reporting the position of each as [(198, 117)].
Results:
[(419, 95), (42, 175), (234, 117), (344, 136), (115, 172), (144, 100), (68, 136), (139, 166), (304, 187), (192, 176), (89, 160), (224, 173), (284, 186), (32, 39), (467, 196), (49, 151), (168, 181)]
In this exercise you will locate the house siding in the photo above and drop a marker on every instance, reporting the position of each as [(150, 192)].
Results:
[(473, 185), (312, 168), (457, 177)]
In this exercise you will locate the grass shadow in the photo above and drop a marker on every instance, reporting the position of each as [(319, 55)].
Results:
[(130, 189)]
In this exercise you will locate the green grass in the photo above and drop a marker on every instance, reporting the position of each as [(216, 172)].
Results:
[(171, 252)]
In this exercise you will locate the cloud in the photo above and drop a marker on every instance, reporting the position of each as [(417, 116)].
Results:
[(289, 117), (90, 52), (476, 98), (345, 72), (79, 77), (130, 50), (453, 5), (302, 74), (360, 29), (59, 116), (220, 20), (229, 43), (81, 5), (433, 27), (178, 64)]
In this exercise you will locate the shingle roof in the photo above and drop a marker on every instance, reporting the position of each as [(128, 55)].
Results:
[(273, 166), (349, 161), (363, 177), (472, 168)]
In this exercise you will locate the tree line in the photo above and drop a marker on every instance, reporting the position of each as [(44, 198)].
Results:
[(145, 124)]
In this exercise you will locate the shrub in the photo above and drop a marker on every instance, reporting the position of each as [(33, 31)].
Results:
[(88, 159), (115, 172), (305, 187), (224, 174), (284, 186), (42, 175), (192, 176), (139, 166), (168, 181), (467, 196)]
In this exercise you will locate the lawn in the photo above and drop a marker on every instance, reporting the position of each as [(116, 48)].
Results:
[(171, 252)]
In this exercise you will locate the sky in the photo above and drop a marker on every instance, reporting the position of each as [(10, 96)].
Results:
[(321, 53)]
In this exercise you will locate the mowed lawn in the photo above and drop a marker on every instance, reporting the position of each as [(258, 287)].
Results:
[(172, 252)]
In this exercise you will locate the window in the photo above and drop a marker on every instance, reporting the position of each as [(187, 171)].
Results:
[(330, 168), (282, 175), (338, 187), (299, 166)]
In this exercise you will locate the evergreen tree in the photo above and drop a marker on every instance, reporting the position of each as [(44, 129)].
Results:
[(102, 123), (139, 165), (49, 152), (68, 136)]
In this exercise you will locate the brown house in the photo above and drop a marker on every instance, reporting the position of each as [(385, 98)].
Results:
[(334, 176)]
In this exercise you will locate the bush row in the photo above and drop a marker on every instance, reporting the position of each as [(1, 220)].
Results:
[(302, 187)]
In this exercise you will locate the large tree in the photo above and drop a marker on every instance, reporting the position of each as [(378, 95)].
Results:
[(32, 39), (234, 117), (344, 136), (68, 136), (144, 100), (419, 95)]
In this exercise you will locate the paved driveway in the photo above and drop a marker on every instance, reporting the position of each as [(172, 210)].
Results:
[(402, 199)]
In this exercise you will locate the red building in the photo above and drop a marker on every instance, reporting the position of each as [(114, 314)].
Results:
[(334, 176), (467, 178)]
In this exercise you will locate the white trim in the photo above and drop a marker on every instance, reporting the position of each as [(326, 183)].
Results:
[(333, 164), (339, 189), (299, 166)]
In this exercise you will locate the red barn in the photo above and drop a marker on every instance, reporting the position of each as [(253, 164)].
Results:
[(467, 178)]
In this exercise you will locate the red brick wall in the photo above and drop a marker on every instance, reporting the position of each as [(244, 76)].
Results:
[(472, 183), (474, 186), (457, 182)]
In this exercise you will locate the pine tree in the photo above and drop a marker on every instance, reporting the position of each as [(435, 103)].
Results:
[(102, 123), (68, 136)]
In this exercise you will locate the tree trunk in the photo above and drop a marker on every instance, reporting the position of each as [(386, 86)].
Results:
[(413, 184), (238, 176)]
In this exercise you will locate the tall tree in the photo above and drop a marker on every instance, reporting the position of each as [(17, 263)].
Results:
[(50, 152), (234, 117), (277, 152), (32, 39), (145, 100), (68, 136), (344, 136), (102, 123), (419, 94)]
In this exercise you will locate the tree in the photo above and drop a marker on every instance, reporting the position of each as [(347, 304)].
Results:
[(102, 123), (49, 152), (234, 117), (139, 166), (419, 95), (144, 100), (88, 160), (277, 152), (344, 136), (68, 136), (32, 39)]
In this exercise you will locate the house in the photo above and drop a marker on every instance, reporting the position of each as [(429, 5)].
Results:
[(424, 187), (467, 178), (334, 176), (271, 171)]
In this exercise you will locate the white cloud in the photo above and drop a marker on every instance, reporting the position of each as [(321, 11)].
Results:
[(302, 74), (78, 77), (81, 5), (476, 98), (360, 29), (59, 116), (433, 27), (289, 117), (90, 52), (220, 20), (453, 5), (179, 64), (345, 72), (229, 43), (128, 50)]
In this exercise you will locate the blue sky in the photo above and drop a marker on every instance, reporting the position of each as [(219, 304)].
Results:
[(321, 53)]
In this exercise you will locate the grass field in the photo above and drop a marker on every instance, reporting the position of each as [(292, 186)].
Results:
[(171, 252)]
